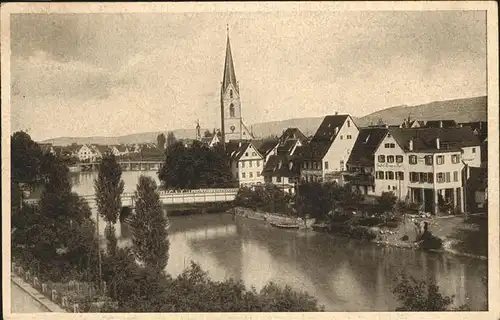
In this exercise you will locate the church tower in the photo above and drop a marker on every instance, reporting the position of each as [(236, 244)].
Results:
[(232, 124)]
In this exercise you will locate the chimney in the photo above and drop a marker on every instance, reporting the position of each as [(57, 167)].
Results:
[(239, 144), (336, 130), (336, 113), (438, 144), (440, 124), (410, 146)]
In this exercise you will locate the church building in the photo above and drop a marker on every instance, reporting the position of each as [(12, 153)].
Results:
[(232, 124)]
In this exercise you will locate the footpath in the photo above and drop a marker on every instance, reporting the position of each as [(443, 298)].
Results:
[(35, 294)]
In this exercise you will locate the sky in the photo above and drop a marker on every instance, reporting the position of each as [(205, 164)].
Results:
[(113, 74)]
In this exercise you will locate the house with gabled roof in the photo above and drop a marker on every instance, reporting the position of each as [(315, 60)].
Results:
[(425, 165), (246, 162), (282, 166), (360, 165), (326, 155), (119, 150)]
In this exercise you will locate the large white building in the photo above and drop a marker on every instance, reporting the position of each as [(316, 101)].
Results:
[(325, 156), (425, 165)]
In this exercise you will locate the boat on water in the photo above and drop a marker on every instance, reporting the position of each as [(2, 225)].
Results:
[(285, 225), (298, 224)]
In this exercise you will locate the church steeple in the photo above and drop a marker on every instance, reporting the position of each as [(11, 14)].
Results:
[(229, 75)]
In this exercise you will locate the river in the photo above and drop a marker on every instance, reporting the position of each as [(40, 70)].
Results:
[(343, 274)]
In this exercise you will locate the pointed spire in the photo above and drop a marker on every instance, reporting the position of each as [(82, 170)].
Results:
[(229, 75)]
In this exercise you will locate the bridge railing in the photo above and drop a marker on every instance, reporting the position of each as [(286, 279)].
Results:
[(175, 192)]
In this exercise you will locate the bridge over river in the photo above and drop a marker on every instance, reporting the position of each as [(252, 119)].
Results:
[(171, 197)]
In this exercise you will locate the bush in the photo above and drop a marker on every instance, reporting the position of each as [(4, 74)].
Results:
[(370, 221), (418, 295), (430, 241)]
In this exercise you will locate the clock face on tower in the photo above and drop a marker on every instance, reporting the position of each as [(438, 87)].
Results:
[(232, 128)]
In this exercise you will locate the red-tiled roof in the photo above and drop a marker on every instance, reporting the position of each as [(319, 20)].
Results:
[(279, 165), (424, 139), (366, 144), (324, 137)]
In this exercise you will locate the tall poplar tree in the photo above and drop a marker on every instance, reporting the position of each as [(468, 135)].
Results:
[(150, 238), (108, 188)]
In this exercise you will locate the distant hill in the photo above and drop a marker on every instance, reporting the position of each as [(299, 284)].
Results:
[(460, 110)]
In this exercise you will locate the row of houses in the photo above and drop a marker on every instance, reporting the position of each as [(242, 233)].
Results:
[(424, 162), (94, 152)]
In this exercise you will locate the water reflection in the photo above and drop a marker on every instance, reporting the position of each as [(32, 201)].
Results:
[(333, 269), (344, 275)]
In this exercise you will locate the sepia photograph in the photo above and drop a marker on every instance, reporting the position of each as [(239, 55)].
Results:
[(220, 158)]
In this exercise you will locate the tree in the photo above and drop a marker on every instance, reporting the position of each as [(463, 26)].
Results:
[(196, 166), (387, 201), (108, 188), (160, 141), (25, 158), (419, 295), (150, 239), (170, 139)]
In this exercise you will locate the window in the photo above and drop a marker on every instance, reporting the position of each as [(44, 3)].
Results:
[(236, 164), (348, 123), (428, 160), (341, 137), (448, 177), (389, 145), (399, 159), (250, 174), (373, 188), (413, 176), (422, 177), (380, 175), (258, 163), (388, 187), (389, 175), (326, 165), (243, 164), (381, 158), (246, 154), (231, 110), (455, 158), (440, 177), (413, 159), (430, 177), (257, 174), (473, 150), (455, 176), (307, 164), (278, 179), (243, 175), (254, 154), (250, 163), (342, 165), (390, 159), (400, 175), (349, 136), (440, 159), (393, 187), (231, 94)]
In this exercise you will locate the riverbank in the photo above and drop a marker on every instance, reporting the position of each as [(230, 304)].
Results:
[(464, 235), (35, 294)]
